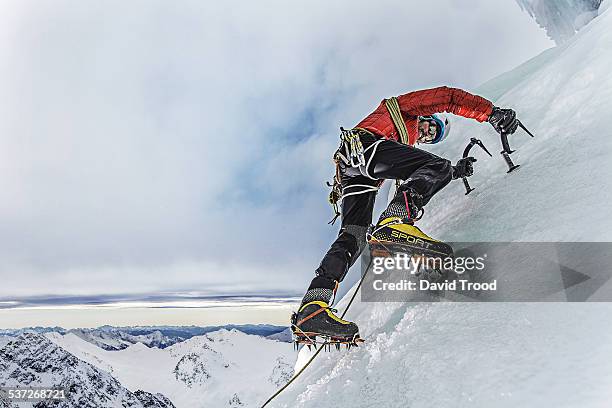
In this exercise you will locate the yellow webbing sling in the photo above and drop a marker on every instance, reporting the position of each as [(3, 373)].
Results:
[(396, 116)]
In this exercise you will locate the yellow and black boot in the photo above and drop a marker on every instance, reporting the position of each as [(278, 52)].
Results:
[(393, 235), (315, 318)]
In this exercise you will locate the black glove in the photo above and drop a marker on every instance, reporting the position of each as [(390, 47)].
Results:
[(464, 168), (503, 120)]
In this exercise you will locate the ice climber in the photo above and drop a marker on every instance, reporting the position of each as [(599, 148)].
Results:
[(381, 147)]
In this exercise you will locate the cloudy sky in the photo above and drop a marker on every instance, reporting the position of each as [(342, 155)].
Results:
[(154, 147)]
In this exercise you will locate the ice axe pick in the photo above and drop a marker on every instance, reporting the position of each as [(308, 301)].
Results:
[(466, 153)]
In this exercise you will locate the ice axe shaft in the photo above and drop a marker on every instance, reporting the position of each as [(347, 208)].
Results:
[(468, 188), (507, 151), (511, 165), (466, 153)]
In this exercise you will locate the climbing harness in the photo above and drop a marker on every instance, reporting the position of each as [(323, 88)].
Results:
[(351, 153)]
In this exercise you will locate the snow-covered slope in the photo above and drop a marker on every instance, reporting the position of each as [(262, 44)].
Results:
[(32, 360), (5, 340), (465, 355), (500, 354), (220, 369)]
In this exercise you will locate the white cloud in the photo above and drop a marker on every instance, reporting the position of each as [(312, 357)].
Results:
[(154, 134)]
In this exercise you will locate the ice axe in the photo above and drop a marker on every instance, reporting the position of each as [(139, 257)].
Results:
[(466, 153), (506, 152)]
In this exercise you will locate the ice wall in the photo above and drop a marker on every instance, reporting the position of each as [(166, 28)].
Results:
[(561, 18)]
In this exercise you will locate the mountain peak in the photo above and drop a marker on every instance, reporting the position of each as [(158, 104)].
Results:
[(32, 360)]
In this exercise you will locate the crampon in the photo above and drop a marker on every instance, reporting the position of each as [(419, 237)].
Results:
[(311, 339)]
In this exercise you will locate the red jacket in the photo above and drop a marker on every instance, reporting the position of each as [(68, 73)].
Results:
[(423, 103)]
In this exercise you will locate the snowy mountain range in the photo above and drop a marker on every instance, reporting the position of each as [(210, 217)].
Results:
[(225, 368), (119, 338), (32, 360), (501, 354)]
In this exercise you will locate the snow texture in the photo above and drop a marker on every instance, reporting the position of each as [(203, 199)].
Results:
[(500, 354), (561, 18)]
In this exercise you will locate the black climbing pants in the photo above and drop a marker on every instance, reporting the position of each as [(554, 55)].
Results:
[(424, 172)]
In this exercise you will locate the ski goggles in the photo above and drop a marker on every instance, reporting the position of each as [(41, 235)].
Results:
[(432, 131)]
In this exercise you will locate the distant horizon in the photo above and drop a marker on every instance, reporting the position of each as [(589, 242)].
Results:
[(72, 312), (136, 327), (158, 298)]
